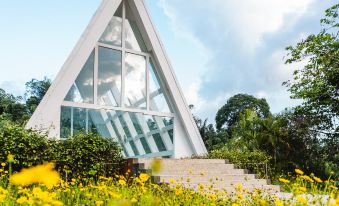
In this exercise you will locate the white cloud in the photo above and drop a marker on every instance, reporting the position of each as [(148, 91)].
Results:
[(245, 40), (248, 19)]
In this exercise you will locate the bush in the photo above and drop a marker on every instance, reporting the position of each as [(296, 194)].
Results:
[(28, 147), (84, 155), (255, 161)]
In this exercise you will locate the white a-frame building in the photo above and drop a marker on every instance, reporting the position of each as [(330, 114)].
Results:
[(118, 82)]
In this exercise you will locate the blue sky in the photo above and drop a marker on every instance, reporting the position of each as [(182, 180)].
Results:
[(218, 48)]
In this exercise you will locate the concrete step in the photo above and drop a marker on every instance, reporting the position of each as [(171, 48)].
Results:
[(231, 188), (181, 161), (191, 167), (214, 174), (206, 178), (255, 182)]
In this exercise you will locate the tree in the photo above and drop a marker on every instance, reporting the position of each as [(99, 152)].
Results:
[(317, 83), (209, 135), (35, 91), (228, 115), (11, 108)]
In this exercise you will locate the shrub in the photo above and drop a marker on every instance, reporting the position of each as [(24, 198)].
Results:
[(256, 161), (28, 147), (84, 155)]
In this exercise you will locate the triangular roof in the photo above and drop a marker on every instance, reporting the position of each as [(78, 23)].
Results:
[(47, 114)]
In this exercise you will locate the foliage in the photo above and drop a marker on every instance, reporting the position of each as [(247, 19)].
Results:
[(35, 91), (209, 135), (28, 147), (228, 114), (317, 83), (288, 138), (302, 146), (11, 108), (86, 155), (254, 160), (83, 155)]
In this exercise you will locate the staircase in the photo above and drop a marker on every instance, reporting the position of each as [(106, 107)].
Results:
[(203, 174)]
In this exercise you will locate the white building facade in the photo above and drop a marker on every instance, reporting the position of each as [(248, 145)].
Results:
[(118, 82)]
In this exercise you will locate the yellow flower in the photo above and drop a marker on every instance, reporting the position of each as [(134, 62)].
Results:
[(133, 200), (178, 191), (262, 202), (235, 204), (122, 182), (284, 180), (317, 179), (333, 187), (21, 200), (238, 187), (172, 181), (10, 158), (143, 177), (298, 171), (3, 164), (278, 202), (99, 202), (57, 203), (307, 178), (301, 199), (302, 189), (201, 186), (212, 196), (43, 174), (190, 171)]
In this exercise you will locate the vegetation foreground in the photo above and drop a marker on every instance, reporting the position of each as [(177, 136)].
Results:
[(42, 185)]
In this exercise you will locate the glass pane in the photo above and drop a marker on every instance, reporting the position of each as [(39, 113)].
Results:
[(158, 101), (135, 81), (79, 120), (65, 122), (153, 127), (109, 77), (134, 148), (145, 145), (113, 32), (82, 89), (168, 122), (134, 40)]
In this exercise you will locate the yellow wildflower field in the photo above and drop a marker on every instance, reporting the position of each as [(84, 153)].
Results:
[(41, 185)]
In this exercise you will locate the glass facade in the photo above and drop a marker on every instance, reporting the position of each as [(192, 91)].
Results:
[(137, 133), (119, 94)]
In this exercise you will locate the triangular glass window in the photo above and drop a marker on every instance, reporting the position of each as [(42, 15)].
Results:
[(134, 40), (82, 90), (158, 100), (113, 32)]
